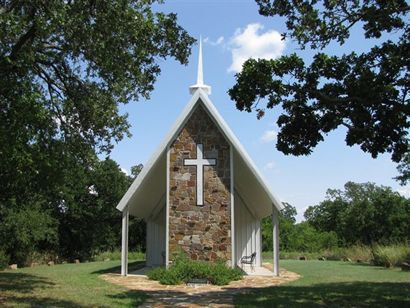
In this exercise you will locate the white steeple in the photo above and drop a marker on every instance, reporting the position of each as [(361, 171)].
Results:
[(200, 78)]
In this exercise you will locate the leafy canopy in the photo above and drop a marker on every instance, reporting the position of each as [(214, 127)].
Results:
[(363, 213), (65, 69), (66, 65), (367, 93)]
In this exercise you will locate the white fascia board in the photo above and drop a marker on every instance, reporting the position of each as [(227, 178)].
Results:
[(239, 148), (160, 150), (199, 94)]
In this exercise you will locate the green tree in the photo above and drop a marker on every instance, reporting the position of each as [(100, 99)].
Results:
[(65, 68), (363, 213), (287, 221), (27, 229), (367, 93), (89, 221), (135, 170), (305, 238), (404, 170)]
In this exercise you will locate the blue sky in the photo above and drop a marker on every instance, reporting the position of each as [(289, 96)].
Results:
[(232, 30)]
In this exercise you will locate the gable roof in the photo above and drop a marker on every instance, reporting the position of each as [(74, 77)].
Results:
[(144, 196)]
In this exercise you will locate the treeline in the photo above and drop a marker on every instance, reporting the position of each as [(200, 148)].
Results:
[(361, 214), (72, 217)]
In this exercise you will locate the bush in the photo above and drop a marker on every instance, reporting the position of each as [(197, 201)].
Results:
[(184, 270), (4, 260), (28, 229), (392, 255)]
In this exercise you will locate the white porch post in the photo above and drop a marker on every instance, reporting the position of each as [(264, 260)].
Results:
[(124, 246), (167, 210), (233, 255), (275, 227)]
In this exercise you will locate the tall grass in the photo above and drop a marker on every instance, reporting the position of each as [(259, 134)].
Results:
[(388, 256), (116, 255), (392, 255)]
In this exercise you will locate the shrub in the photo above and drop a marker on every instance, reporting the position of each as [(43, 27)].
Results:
[(4, 260), (184, 270), (392, 255), (28, 229), (222, 275)]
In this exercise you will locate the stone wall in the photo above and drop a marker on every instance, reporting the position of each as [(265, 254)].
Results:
[(203, 232)]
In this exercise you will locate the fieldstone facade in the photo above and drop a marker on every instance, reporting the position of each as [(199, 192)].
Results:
[(203, 232)]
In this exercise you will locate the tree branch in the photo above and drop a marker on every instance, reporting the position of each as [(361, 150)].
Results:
[(29, 35)]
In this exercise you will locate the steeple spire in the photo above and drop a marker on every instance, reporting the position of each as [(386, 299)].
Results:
[(200, 78)]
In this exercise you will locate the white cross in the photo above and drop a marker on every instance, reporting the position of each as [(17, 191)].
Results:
[(200, 162)]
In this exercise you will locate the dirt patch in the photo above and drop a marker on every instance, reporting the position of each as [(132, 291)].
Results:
[(204, 296)]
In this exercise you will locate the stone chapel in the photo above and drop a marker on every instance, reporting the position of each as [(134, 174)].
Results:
[(200, 192)]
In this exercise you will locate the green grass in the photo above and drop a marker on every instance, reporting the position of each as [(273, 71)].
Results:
[(116, 255), (334, 284), (66, 285), (323, 283)]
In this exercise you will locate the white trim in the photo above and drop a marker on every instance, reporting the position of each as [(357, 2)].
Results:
[(275, 241), (124, 243), (233, 257), (199, 162), (167, 212), (198, 97), (238, 146), (157, 154)]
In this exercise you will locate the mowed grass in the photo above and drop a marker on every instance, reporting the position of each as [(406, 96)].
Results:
[(66, 285), (323, 284), (334, 284)]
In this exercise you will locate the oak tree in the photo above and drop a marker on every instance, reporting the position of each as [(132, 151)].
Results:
[(367, 93)]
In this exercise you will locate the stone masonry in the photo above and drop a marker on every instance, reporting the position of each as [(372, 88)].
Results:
[(203, 232)]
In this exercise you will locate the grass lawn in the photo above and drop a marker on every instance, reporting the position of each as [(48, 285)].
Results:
[(323, 283), (334, 284), (66, 285)]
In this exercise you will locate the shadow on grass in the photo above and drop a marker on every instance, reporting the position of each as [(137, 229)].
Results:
[(32, 301), (172, 298), (134, 298), (15, 288), (132, 266), (354, 294), (21, 282)]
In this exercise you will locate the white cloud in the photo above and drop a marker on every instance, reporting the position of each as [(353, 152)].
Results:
[(270, 165), (220, 40), (269, 136), (404, 191), (251, 43), (125, 171)]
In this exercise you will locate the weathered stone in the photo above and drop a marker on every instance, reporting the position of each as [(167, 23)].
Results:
[(202, 231), (405, 266), (195, 239), (76, 261), (50, 263), (13, 266)]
